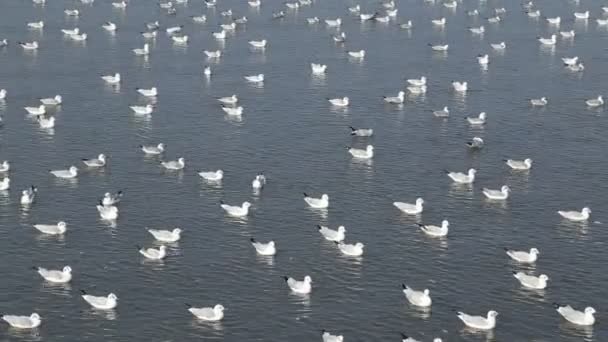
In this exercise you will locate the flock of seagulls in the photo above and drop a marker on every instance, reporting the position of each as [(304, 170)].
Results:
[(387, 12)]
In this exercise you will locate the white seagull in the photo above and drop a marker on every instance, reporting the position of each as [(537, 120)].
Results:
[(361, 132), (531, 282), (212, 176), (72, 172), (417, 298), (499, 46), (255, 78), (101, 302), (40, 110), (358, 153), (152, 92), (107, 212), (112, 79), (142, 110), (351, 249), (523, 257), (297, 286), (23, 322), (340, 102), (410, 209), (166, 235), (100, 161), (479, 120), (333, 235), (462, 178), (577, 317), (582, 215), (501, 194), (479, 322), (548, 41), (153, 253), (151, 149), (143, 51), (54, 276), (258, 44), (29, 195), (357, 54), (29, 46), (318, 69), (460, 86), (317, 203), (520, 165), (52, 229), (213, 314), (52, 101), (236, 211), (476, 142), (599, 101), (327, 337), (178, 164), (235, 111), (111, 199), (539, 102), (443, 113), (399, 99), (435, 231), (266, 249)]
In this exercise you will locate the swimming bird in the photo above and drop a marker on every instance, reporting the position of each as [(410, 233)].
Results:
[(443, 113), (199, 18), (357, 54), (584, 318), (599, 101), (281, 14), (327, 337), (483, 59), (207, 71), (382, 19), (229, 100), (417, 82), (29, 195), (266, 249), (109, 26), (582, 215), (340, 102), (317, 203), (235, 111), (439, 47), (292, 5), (460, 86), (112, 79), (52, 101), (119, 4), (152, 92), (477, 30), (36, 25), (462, 178), (297, 286), (351, 249), (180, 39), (79, 37), (521, 165), (174, 30), (399, 99), (366, 16), (476, 143), (570, 60), (23, 322), (70, 32), (236, 211), (100, 161), (501, 194), (581, 15), (254, 3), (153, 253), (212, 176), (72, 12), (539, 102), (258, 182), (258, 44), (473, 13), (407, 25), (554, 20), (479, 120), (255, 78), (417, 90), (214, 314), (333, 235), (5, 166), (178, 164), (366, 153), (166, 235), (72, 172), (355, 9), (213, 54), (439, 22), (5, 184), (220, 35), (450, 4), (567, 34), (228, 27), (107, 212), (111, 199), (54, 276), (601, 22), (494, 20), (499, 46), (313, 20), (533, 14), (40, 110), (339, 38), (150, 149), (155, 25), (417, 298), (530, 281), (479, 322), (522, 256), (318, 69), (108, 302), (142, 110), (361, 132), (29, 46), (333, 23), (143, 51), (52, 229), (149, 34), (3, 93), (410, 209), (548, 41), (435, 231)]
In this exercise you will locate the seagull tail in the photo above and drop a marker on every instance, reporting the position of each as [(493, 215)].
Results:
[(319, 227), (83, 291), (446, 171), (252, 240), (305, 194), (138, 247), (506, 249), (222, 202), (35, 268), (556, 305), (285, 278), (404, 336), (403, 286), (188, 305)]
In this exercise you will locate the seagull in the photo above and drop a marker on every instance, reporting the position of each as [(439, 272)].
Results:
[(173, 30), (501, 194), (460, 86), (340, 102), (213, 54), (28, 195), (406, 338), (150, 149), (174, 165), (153, 26), (53, 276), (533, 14), (297, 286), (417, 82), (210, 3), (450, 4), (601, 22), (318, 69), (107, 212), (100, 161), (463, 178), (391, 13), (72, 12), (417, 298), (333, 235), (548, 41), (292, 5), (599, 101), (199, 18), (255, 78), (220, 35), (236, 211), (258, 44), (483, 59), (443, 113), (473, 13), (417, 90), (5, 166), (340, 38), (23, 322), (111, 199), (313, 20), (281, 14), (317, 203), (582, 215), (79, 37), (212, 176), (149, 35), (570, 60), (366, 16), (521, 165), (207, 71), (479, 322), (70, 32), (567, 34), (266, 249), (357, 54), (581, 15), (52, 101), (5, 184), (236, 111), (480, 120), (522, 256), (494, 20), (407, 25), (410, 209), (152, 92), (577, 317), (532, 282), (214, 314), (361, 132), (101, 303), (367, 153), (258, 182), (72, 172), (355, 9), (477, 30), (115, 79), (143, 110), (395, 99), (52, 229), (439, 22), (120, 4), (554, 21), (229, 100), (153, 253), (166, 235), (180, 39), (333, 23), (40, 110), (380, 19), (351, 249), (327, 337), (227, 13), (36, 25), (499, 46), (228, 27), (254, 3), (29, 46), (439, 47), (435, 231), (143, 51), (539, 102), (2, 94)]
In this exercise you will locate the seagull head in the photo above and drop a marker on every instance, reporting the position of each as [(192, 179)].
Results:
[(61, 225), (341, 229), (325, 197), (427, 292), (492, 314), (472, 172), (419, 201), (218, 308), (308, 279), (505, 189), (359, 245), (534, 251), (445, 224), (177, 231), (543, 277), (586, 210), (67, 269), (35, 317), (246, 205), (589, 310), (73, 169)]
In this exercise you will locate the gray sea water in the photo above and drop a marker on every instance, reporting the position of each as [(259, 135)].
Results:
[(289, 131)]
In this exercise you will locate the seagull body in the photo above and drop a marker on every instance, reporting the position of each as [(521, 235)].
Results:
[(229, 100), (52, 101), (297, 286), (120, 5), (584, 318), (153, 25), (72, 12), (439, 47), (367, 153), (499, 46), (501, 194), (473, 13), (259, 44), (72, 172), (483, 59), (5, 184), (228, 27), (199, 19), (254, 3), (570, 60), (463, 178), (23, 322), (340, 102), (79, 37), (351, 249), (213, 54), (522, 256), (266, 249), (2, 94), (152, 92), (318, 69), (178, 164), (601, 22), (101, 302), (258, 182), (340, 38), (384, 19), (494, 20), (477, 30), (416, 90), (317, 203), (70, 32), (479, 120), (108, 212), (554, 21), (212, 176), (100, 161), (410, 209), (582, 215), (521, 165), (599, 101), (548, 41), (149, 34), (327, 337), (207, 71), (450, 4), (443, 113), (567, 34), (407, 25), (533, 14), (29, 46), (46, 123), (54, 276), (36, 25), (399, 99), (333, 23), (52, 229), (214, 314), (234, 111), (539, 102), (357, 54), (180, 39), (355, 9), (333, 235), (111, 199), (361, 132), (313, 20), (460, 86), (173, 30), (255, 78), (40, 110), (366, 16), (435, 231), (150, 149), (236, 211), (417, 82), (479, 322), (111, 79), (581, 15), (417, 298), (220, 35), (166, 235), (439, 22), (142, 110), (531, 282), (28, 195), (143, 51), (153, 253)]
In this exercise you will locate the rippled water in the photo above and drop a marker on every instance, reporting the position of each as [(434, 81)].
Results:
[(289, 131)]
